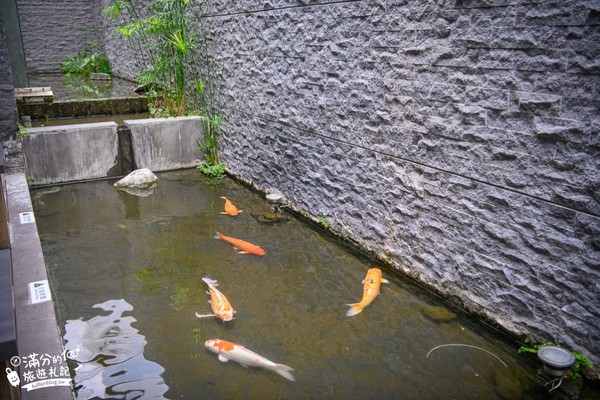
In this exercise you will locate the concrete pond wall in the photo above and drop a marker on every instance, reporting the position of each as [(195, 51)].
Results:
[(456, 139), (67, 153)]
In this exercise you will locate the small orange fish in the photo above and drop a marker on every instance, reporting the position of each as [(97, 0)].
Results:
[(241, 245), (372, 284), (230, 209), (221, 307)]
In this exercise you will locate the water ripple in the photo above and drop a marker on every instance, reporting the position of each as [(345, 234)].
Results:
[(110, 357)]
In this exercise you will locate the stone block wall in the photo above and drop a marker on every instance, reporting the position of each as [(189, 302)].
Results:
[(456, 139), (8, 106), (53, 30)]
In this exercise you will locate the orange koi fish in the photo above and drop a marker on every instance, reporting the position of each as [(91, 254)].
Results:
[(230, 209), (372, 284), (247, 358), (221, 307), (243, 246)]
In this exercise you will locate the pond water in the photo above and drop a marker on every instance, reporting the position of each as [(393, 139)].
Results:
[(74, 88), (127, 278)]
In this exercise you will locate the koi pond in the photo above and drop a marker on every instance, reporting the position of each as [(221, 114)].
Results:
[(127, 272)]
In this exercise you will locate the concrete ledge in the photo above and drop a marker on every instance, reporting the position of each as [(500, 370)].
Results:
[(8, 333), (84, 108), (164, 144), (72, 152), (38, 335)]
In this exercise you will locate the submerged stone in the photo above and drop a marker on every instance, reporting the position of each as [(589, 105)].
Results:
[(437, 313), (184, 176), (139, 192), (507, 386), (139, 179), (270, 217)]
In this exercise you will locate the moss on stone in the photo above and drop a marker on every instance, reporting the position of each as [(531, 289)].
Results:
[(506, 385), (438, 313)]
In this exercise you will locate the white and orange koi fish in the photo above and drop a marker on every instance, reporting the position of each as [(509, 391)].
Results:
[(243, 246), (221, 307), (247, 358), (230, 209), (372, 284)]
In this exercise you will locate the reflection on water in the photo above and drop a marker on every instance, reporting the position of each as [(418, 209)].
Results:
[(153, 252), (75, 88), (110, 356)]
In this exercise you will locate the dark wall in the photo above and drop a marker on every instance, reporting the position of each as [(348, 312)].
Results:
[(53, 30), (8, 106), (456, 139)]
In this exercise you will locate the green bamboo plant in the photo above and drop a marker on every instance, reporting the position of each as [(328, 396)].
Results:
[(168, 53)]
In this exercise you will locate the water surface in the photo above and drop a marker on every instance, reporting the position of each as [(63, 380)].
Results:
[(127, 274)]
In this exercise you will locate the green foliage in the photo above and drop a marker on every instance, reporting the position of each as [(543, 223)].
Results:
[(83, 64), (323, 223), (23, 131), (581, 361), (216, 171), (163, 46), (174, 63)]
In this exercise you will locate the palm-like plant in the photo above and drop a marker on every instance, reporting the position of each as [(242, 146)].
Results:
[(165, 51)]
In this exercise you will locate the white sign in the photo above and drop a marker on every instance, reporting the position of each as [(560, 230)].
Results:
[(27, 217), (39, 291)]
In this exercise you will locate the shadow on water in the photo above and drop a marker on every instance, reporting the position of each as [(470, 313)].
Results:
[(146, 257)]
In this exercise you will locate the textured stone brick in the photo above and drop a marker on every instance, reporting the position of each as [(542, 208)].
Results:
[(483, 179), (53, 30)]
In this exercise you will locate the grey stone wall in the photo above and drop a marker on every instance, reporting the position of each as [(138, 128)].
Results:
[(53, 30), (117, 47), (456, 139), (8, 106)]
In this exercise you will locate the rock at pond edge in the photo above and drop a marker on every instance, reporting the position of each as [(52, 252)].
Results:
[(141, 178)]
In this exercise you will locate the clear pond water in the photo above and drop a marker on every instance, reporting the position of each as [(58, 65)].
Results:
[(74, 88), (127, 278)]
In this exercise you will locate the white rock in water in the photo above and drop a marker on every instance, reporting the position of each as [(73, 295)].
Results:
[(139, 179)]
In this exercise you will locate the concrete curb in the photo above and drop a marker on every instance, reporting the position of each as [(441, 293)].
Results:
[(38, 335)]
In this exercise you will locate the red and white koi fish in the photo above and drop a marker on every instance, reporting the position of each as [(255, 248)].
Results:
[(247, 358), (221, 307), (372, 284), (243, 246), (230, 209)]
